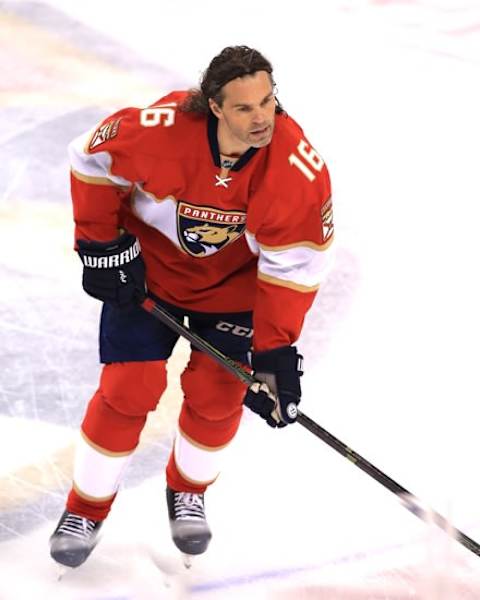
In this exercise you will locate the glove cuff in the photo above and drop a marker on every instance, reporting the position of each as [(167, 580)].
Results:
[(285, 358), (111, 254)]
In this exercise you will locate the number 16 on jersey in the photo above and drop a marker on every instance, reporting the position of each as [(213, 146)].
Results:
[(308, 161)]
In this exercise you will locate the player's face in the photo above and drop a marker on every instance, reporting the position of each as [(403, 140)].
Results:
[(247, 115)]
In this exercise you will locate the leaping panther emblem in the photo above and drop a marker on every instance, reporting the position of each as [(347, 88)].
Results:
[(203, 230)]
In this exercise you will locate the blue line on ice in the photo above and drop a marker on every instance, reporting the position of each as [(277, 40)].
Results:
[(288, 572), (273, 574)]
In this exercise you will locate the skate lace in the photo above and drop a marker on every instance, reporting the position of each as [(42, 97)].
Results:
[(189, 506), (77, 526)]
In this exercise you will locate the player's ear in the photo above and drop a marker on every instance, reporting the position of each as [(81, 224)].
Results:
[(217, 111)]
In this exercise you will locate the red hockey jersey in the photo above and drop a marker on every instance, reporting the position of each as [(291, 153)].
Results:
[(214, 239)]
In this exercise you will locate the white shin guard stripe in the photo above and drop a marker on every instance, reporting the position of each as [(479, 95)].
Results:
[(95, 474), (198, 464)]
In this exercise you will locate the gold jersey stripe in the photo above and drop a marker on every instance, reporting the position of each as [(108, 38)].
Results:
[(201, 446), (103, 450), (95, 180), (193, 481), (301, 244), (305, 289), (139, 190), (91, 498)]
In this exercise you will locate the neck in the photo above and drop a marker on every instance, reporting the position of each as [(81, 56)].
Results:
[(227, 144)]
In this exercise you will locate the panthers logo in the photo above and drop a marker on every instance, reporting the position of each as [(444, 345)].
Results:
[(202, 230)]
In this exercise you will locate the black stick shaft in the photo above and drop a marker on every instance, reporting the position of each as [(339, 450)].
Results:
[(410, 502)]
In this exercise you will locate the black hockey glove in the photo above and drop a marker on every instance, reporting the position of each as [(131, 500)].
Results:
[(113, 272), (277, 393)]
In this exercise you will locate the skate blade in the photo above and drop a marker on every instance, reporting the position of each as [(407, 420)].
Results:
[(61, 571), (187, 560)]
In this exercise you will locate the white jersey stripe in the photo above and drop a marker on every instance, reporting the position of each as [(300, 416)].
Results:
[(160, 213), (299, 267), (92, 165), (252, 243)]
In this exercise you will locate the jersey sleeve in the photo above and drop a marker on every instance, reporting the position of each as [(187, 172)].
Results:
[(102, 174), (293, 243)]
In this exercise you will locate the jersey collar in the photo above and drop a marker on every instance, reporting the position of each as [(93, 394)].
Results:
[(212, 125)]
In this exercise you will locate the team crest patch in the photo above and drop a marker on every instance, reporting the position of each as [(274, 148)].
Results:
[(203, 230), (105, 132), (327, 220)]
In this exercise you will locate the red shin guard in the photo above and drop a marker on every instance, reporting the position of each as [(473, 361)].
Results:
[(212, 408), (210, 414), (117, 412), (115, 418)]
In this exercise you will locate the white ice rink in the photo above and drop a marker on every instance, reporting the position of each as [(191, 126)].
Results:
[(389, 93)]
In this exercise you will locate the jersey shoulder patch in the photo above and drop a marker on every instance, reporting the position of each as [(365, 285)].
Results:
[(105, 132)]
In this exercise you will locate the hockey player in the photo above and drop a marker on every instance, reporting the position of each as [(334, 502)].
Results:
[(214, 203)]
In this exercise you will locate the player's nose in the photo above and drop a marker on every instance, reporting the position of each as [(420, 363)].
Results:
[(258, 121), (259, 116)]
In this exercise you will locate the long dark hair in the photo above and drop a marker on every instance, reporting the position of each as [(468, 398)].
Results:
[(232, 62)]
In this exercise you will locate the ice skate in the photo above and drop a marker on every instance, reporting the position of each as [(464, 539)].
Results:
[(190, 531), (73, 539)]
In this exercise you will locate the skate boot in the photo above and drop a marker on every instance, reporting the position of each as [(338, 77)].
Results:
[(73, 539), (190, 531)]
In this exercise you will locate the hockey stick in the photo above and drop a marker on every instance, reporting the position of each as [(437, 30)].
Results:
[(409, 501)]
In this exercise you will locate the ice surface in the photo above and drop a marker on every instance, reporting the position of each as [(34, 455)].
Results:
[(388, 93)]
